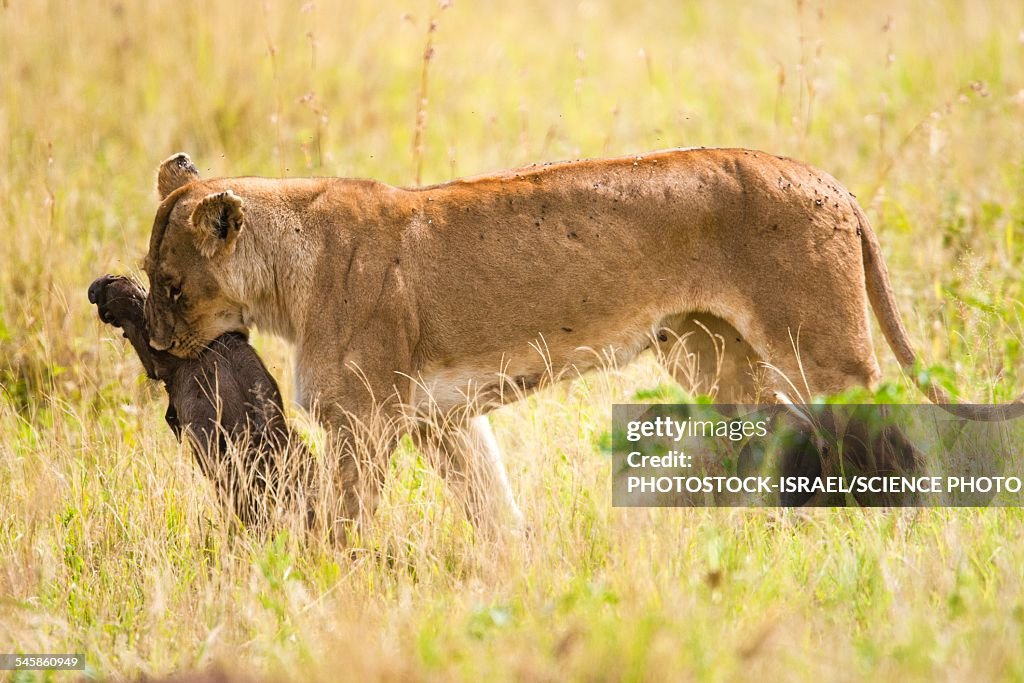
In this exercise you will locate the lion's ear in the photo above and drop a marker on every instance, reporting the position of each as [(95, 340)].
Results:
[(174, 172), (216, 222)]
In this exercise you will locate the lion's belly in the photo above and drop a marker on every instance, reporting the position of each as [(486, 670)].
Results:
[(443, 390), (486, 382)]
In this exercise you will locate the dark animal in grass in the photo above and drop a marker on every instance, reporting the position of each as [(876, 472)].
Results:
[(224, 402), (812, 439)]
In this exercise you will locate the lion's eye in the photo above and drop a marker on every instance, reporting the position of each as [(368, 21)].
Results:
[(174, 293)]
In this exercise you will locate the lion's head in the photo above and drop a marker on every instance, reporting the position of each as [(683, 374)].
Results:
[(193, 239)]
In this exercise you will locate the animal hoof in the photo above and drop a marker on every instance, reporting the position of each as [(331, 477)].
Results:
[(117, 299)]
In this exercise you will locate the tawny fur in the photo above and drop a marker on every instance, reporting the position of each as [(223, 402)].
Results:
[(484, 287), (462, 280)]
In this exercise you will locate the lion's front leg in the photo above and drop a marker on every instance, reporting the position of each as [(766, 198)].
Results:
[(356, 382), (467, 457), (361, 413), (359, 453)]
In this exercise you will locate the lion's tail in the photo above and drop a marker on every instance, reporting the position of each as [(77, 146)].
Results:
[(883, 302)]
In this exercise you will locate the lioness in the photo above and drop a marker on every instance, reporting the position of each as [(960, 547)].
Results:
[(457, 297)]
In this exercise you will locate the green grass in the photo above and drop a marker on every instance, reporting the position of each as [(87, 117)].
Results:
[(112, 544)]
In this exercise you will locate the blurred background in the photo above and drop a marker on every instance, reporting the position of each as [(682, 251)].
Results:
[(109, 540), (917, 107)]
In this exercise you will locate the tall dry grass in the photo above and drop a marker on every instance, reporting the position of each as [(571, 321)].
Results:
[(112, 543)]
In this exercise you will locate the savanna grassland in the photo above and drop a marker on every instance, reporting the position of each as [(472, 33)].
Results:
[(113, 544)]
